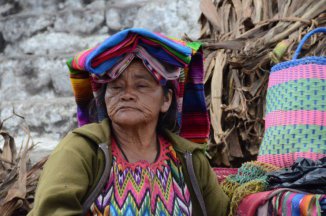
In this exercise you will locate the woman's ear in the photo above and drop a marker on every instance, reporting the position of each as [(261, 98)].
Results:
[(167, 100)]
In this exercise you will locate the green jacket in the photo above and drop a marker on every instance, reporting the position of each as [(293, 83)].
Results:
[(77, 164)]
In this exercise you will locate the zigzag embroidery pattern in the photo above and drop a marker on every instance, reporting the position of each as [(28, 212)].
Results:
[(145, 189)]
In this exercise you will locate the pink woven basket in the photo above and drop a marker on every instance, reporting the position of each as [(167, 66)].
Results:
[(295, 119)]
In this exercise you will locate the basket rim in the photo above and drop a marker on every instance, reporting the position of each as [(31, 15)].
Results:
[(320, 60)]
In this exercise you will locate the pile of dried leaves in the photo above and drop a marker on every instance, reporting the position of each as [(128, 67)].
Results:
[(18, 179), (242, 40)]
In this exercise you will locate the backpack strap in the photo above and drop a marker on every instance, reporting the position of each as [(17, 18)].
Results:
[(194, 182), (105, 176)]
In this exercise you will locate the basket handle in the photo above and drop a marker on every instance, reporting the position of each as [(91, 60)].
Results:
[(305, 38)]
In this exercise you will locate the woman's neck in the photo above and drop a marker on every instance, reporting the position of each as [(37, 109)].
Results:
[(137, 143)]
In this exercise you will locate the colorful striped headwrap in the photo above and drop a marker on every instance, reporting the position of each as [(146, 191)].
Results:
[(165, 58)]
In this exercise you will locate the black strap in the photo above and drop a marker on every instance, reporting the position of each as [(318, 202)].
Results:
[(104, 178), (194, 182)]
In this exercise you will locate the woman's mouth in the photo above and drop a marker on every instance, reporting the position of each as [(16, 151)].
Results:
[(127, 108)]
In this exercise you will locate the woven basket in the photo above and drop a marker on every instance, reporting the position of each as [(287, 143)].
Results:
[(295, 120)]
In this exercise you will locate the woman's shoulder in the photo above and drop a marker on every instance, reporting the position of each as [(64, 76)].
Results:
[(96, 132), (183, 145), (85, 138)]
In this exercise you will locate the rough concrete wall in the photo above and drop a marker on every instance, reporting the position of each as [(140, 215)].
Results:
[(36, 38)]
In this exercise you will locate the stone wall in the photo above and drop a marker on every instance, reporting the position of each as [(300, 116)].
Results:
[(36, 38)]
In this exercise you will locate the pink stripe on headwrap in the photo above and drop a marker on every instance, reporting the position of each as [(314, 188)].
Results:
[(307, 71), (80, 58)]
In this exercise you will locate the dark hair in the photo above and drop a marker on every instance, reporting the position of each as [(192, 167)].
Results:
[(167, 120), (98, 102)]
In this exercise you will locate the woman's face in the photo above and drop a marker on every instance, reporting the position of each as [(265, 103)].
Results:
[(136, 98)]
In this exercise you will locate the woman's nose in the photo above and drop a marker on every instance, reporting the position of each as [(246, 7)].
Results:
[(128, 94)]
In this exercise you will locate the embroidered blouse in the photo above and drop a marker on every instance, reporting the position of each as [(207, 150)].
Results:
[(144, 188)]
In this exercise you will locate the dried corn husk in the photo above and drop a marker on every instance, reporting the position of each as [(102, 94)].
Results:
[(242, 40), (18, 179)]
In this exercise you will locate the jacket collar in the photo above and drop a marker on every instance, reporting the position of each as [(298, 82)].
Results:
[(100, 133)]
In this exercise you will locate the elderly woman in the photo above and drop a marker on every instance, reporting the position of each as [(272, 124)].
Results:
[(144, 89)]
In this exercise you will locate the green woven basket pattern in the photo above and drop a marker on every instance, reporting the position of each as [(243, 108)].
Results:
[(293, 138), (303, 94)]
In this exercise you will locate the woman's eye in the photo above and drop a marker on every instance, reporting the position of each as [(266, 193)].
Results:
[(116, 88), (142, 85)]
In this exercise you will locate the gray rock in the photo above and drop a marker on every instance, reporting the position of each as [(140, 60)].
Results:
[(81, 22), (73, 4), (24, 26), (121, 14), (129, 15), (60, 81), (174, 19), (2, 43), (13, 80), (38, 6), (125, 3), (58, 43), (12, 50), (113, 19), (49, 43), (41, 83), (95, 4), (104, 30), (9, 8), (59, 75), (51, 118), (34, 77), (5, 8)]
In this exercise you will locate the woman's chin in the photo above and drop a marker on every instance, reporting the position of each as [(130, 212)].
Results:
[(129, 121), (132, 118)]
